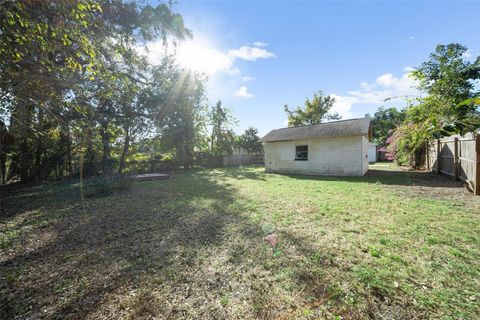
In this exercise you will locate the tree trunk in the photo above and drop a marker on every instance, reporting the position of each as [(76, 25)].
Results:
[(188, 158), (126, 146), (107, 168), (39, 146), (87, 165), (212, 142), (3, 161), (26, 120), (68, 149)]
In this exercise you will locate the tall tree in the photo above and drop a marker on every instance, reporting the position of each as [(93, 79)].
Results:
[(449, 81), (249, 141), (316, 110), (179, 109), (451, 104), (222, 138), (52, 52), (6, 141)]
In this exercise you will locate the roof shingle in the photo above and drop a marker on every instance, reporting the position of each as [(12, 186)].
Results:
[(342, 128)]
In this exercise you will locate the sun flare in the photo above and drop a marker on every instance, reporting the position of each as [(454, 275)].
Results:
[(203, 58)]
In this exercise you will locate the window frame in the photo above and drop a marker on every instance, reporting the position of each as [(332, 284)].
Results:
[(305, 151)]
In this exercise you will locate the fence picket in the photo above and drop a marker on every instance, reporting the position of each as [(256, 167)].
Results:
[(459, 158)]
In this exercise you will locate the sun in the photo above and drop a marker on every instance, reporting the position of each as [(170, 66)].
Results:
[(200, 57)]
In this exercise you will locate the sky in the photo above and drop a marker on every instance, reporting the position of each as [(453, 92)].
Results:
[(261, 55)]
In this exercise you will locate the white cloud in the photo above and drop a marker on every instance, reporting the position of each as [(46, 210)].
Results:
[(200, 56), (411, 38), (204, 59), (260, 44), (246, 78), (386, 86), (343, 106), (250, 53), (408, 69), (242, 92)]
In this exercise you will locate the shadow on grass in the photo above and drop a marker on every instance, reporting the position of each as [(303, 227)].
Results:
[(390, 177), (184, 239), (170, 249)]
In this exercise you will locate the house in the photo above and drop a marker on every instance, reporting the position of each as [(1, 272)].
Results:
[(372, 152), (338, 148)]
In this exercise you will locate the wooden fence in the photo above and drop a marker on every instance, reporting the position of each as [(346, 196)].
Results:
[(235, 160), (457, 157), (158, 165)]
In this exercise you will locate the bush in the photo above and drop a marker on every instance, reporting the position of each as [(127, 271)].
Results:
[(105, 186), (407, 144), (122, 182)]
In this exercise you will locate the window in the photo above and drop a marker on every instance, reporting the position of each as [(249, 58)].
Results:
[(301, 153)]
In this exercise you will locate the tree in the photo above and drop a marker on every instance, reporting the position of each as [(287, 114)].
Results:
[(250, 141), (6, 140), (222, 138), (449, 81), (316, 110), (175, 100), (450, 106), (384, 122), (71, 72)]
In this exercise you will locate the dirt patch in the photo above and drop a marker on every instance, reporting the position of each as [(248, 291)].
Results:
[(425, 184)]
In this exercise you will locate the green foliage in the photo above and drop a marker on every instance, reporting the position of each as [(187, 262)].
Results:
[(447, 75), (224, 300), (75, 86), (450, 107), (448, 79), (97, 187), (408, 141), (250, 141), (181, 118), (107, 185), (222, 139), (384, 122), (316, 110)]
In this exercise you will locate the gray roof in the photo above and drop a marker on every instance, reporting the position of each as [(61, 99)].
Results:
[(342, 128)]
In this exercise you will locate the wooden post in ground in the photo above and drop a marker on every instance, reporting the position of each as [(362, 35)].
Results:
[(477, 166), (439, 158), (427, 155), (456, 168)]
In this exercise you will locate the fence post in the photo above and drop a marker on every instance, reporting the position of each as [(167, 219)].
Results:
[(477, 166), (456, 170), (439, 158), (427, 155)]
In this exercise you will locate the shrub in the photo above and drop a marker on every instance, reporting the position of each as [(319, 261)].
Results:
[(105, 186), (407, 143), (121, 182)]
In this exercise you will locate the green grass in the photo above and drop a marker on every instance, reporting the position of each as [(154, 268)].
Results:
[(392, 244)]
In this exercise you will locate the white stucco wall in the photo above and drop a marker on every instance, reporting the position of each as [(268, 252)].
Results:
[(372, 152), (365, 147), (336, 156)]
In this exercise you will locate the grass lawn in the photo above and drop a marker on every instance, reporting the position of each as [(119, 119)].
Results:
[(390, 245)]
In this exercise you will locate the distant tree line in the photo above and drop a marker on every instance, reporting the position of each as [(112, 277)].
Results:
[(77, 94)]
